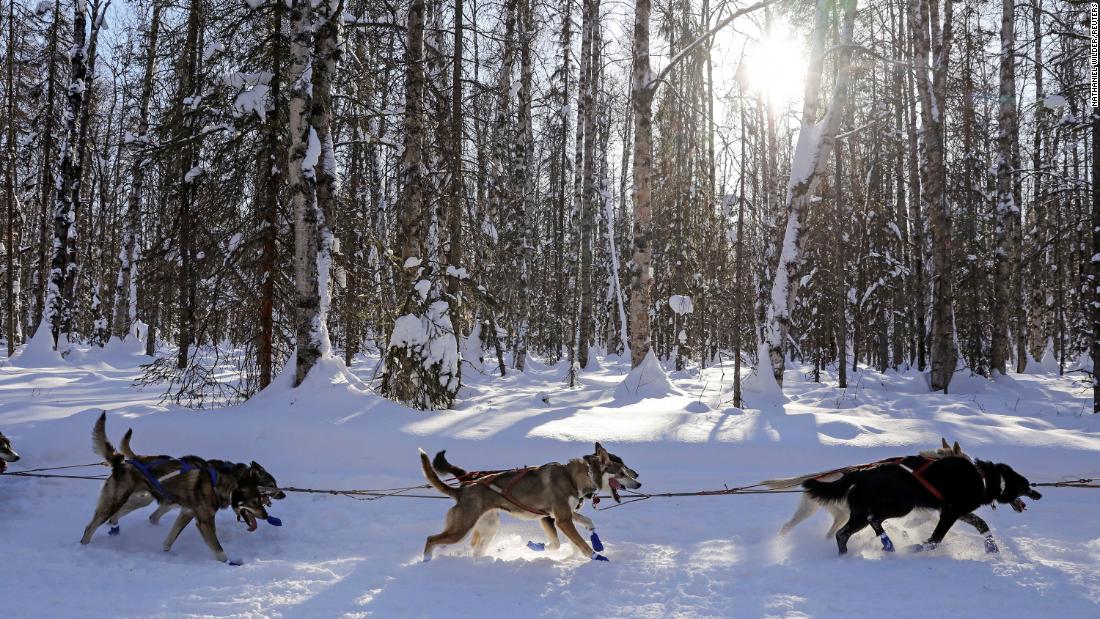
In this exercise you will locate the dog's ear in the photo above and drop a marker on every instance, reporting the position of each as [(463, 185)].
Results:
[(957, 448), (602, 454), (944, 442)]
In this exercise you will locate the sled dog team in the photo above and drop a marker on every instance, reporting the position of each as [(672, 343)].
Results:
[(945, 479)]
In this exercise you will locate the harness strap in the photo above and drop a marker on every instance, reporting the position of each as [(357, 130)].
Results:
[(149, 477), (506, 492), (924, 482), (157, 482)]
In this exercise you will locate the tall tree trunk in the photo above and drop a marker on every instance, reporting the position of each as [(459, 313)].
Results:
[(641, 107), (1094, 273), (399, 381), (590, 63), (269, 170), (58, 313), (1005, 209), (811, 154), (930, 37), (526, 178), (11, 279), (187, 131), (125, 305)]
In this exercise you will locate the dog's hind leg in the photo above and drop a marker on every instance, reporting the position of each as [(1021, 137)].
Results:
[(181, 523), (876, 525), (806, 508), (856, 522), (484, 531), (111, 499), (458, 524), (840, 518), (551, 532), (162, 509), (136, 501), (983, 529)]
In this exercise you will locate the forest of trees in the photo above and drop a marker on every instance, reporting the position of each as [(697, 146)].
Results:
[(249, 185)]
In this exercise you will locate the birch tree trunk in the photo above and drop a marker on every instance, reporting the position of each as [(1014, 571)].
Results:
[(930, 37), (525, 176), (1005, 210), (815, 141), (641, 107), (589, 71)]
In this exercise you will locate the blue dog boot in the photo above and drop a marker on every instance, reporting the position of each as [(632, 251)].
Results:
[(115, 530), (597, 545), (922, 547), (234, 562), (536, 546), (887, 544), (990, 545), (598, 557), (273, 521)]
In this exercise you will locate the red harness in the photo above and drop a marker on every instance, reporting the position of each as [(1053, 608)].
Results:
[(488, 480), (924, 482)]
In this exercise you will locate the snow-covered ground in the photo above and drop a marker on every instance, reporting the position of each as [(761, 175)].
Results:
[(689, 557)]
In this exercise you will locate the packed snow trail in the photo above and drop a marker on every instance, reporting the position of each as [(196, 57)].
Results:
[(689, 557)]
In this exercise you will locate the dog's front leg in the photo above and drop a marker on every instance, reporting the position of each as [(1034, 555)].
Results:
[(983, 529), (947, 520), (205, 524), (587, 523), (181, 523), (565, 523)]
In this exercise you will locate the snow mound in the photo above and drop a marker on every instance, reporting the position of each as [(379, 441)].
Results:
[(648, 380), (39, 351)]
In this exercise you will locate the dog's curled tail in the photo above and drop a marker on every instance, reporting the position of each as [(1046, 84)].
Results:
[(124, 446), (829, 491), (440, 464), (103, 447), (433, 478)]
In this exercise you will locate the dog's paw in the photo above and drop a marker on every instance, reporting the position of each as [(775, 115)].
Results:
[(115, 530), (887, 543), (536, 546), (234, 562), (990, 545), (597, 545), (598, 557), (922, 547)]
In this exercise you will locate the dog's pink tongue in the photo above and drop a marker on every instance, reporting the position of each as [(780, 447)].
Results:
[(614, 483), (1019, 505), (250, 520)]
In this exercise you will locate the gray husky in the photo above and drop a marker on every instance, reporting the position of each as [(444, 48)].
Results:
[(194, 484), (7, 454), (233, 473), (551, 493)]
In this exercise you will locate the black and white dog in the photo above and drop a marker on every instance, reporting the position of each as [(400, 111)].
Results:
[(953, 486), (7, 454)]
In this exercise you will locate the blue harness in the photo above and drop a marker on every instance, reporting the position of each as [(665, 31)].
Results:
[(155, 481)]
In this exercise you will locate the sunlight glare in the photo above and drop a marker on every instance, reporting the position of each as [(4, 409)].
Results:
[(776, 66)]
